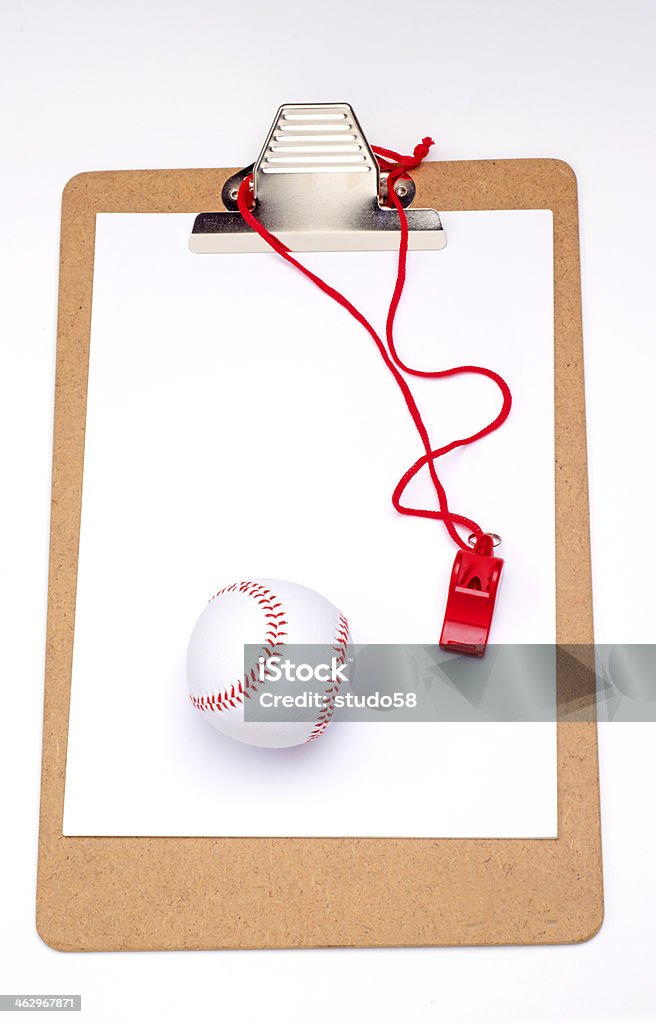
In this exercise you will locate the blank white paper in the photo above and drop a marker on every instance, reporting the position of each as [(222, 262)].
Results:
[(240, 425)]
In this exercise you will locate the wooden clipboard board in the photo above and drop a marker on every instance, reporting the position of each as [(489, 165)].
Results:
[(136, 893)]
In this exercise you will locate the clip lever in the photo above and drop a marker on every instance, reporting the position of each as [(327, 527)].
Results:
[(472, 595), (318, 188)]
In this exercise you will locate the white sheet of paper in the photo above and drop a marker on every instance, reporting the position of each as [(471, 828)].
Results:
[(240, 425)]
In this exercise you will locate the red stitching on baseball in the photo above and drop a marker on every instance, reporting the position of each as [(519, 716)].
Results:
[(227, 697), (324, 717)]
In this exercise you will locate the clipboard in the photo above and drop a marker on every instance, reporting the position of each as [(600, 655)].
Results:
[(140, 893)]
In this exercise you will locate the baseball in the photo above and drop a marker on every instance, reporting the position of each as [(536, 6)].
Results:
[(270, 614)]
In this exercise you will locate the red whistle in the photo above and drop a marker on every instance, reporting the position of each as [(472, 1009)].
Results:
[(472, 594)]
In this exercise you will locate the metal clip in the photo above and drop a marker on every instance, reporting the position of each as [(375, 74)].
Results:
[(318, 188)]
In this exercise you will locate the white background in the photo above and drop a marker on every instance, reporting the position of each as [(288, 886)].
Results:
[(136, 84), (244, 442)]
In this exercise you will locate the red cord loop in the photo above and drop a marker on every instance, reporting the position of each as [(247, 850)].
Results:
[(400, 162), (396, 165)]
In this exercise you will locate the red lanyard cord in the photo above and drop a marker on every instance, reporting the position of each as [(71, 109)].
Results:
[(400, 165)]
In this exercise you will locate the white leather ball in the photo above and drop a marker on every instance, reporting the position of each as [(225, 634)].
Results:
[(270, 614)]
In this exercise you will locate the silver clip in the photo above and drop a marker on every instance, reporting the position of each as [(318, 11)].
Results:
[(318, 187)]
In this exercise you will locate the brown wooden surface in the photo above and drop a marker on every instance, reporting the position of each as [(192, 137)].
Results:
[(202, 893)]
